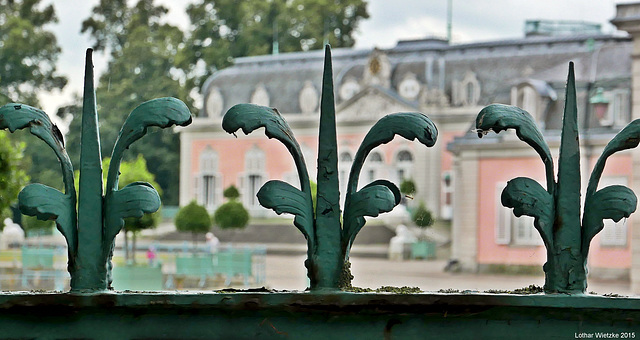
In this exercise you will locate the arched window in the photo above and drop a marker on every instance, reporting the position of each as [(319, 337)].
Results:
[(346, 157), (373, 167), (404, 165)]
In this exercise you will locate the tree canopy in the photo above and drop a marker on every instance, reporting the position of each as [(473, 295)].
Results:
[(28, 51), (150, 57), (226, 29), (28, 55), (141, 68), (193, 218), (12, 174)]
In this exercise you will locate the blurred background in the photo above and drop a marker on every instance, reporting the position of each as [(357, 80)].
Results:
[(447, 59)]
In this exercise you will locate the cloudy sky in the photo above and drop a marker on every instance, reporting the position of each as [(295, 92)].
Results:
[(390, 21)]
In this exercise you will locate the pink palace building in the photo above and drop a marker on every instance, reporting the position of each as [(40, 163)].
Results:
[(460, 179)]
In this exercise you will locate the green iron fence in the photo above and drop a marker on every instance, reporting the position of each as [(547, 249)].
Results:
[(94, 310)]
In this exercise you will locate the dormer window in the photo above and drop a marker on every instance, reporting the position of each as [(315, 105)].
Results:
[(378, 70), (466, 92), (611, 108), (533, 96)]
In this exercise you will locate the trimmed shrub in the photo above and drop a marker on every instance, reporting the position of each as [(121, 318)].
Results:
[(193, 218), (422, 217), (408, 187), (231, 193), (231, 215)]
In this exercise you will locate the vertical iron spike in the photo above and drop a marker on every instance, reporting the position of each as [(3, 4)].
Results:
[(327, 227), (90, 191), (567, 238), (569, 160)]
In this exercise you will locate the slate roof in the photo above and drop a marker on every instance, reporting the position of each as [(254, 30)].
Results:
[(498, 65)]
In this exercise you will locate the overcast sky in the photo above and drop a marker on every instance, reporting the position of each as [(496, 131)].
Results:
[(390, 21)]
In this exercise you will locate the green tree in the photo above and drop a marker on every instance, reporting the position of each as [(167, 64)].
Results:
[(193, 218), (422, 217), (232, 214), (130, 172), (28, 55), (231, 193), (28, 51), (141, 68), (408, 187), (224, 29), (12, 174)]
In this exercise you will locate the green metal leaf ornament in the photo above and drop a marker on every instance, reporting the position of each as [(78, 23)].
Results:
[(282, 197), (614, 202), (38, 200), (375, 198), (162, 113), (329, 239), (248, 118), (557, 210), (528, 197), (409, 125), (500, 117), (134, 200), (90, 229)]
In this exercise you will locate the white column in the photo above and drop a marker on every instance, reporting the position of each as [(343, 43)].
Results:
[(464, 231), (628, 19)]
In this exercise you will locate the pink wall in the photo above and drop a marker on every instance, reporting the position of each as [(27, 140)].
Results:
[(492, 171), (231, 154)]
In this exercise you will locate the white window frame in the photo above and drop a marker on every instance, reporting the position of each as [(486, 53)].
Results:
[(254, 165), (208, 167), (404, 168), (618, 111)]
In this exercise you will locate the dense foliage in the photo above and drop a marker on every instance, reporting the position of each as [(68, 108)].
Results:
[(28, 55), (193, 218), (225, 29), (12, 175), (149, 57), (231, 215), (28, 51), (408, 187), (231, 193), (141, 67), (422, 217)]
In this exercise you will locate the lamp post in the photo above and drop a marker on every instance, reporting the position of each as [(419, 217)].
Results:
[(600, 106)]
